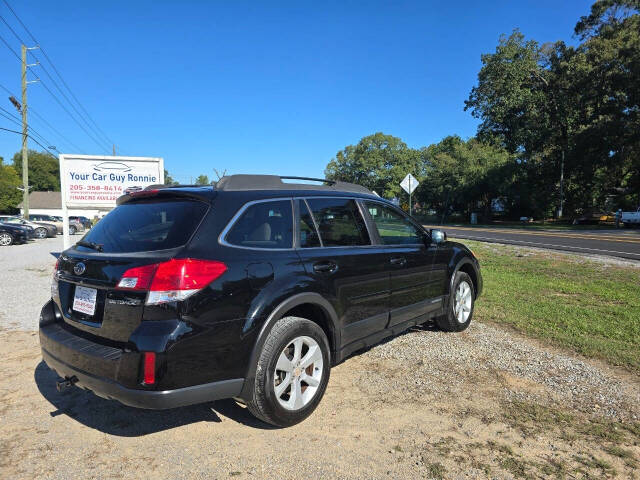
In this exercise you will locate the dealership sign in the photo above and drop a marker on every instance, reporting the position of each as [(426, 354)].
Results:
[(94, 182), (97, 181)]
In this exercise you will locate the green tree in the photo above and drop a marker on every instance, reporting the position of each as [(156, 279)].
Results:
[(202, 180), (565, 109), (44, 171), (168, 179), (378, 162), (610, 78), (465, 176), (526, 106), (10, 196)]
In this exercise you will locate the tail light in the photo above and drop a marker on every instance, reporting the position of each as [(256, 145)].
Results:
[(172, 281)]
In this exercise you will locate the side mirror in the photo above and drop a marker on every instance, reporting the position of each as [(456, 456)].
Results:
[(438, 236)]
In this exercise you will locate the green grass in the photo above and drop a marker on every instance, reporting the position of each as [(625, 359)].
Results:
[(436, 471), (582, 305)]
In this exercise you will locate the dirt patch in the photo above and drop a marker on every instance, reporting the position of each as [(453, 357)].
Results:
[(481, 404)]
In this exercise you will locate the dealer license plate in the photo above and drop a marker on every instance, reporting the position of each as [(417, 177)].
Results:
[(84, 300)]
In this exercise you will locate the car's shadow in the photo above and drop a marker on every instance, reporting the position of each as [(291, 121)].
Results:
[(112, 417)]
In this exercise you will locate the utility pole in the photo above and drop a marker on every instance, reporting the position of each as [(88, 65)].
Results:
[(114, 149), (25, 133), (561, 184)]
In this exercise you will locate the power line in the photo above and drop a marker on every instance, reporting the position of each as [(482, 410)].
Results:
[(45, 149), (51, 127), (67, 99), (34, 112), (8, 115), (108, 140), (70, 114), (12, 131), (49, 90), (9, 47)]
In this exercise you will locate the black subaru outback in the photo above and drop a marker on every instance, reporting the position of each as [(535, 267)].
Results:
[(251, 289)]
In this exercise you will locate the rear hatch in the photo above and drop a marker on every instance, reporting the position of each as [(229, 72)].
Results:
[(145, 231)]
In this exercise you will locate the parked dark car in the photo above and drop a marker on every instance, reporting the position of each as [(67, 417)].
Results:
[(84, 221), (251, 289), (40, 229), (13, 234)]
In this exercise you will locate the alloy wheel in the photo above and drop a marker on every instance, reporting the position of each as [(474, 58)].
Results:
[(298, 373), (5, 239), (41, 233), (463, 300)]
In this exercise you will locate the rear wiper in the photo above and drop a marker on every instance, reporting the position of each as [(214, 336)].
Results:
[(92, 245)]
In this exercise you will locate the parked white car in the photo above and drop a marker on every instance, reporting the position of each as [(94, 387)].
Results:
[(631, 218)]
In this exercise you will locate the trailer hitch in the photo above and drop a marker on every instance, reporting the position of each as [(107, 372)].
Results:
[(66, 382)]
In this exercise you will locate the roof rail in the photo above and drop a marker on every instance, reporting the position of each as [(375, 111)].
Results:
[(321, 180), (274, 182)]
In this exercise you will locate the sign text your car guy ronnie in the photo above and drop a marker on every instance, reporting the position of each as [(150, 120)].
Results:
[(113, 177), (88, 182)]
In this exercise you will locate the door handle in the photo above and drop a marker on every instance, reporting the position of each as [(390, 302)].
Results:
[(398, 261), (325, 267)]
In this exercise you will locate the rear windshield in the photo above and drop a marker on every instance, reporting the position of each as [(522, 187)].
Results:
[(147, 225)]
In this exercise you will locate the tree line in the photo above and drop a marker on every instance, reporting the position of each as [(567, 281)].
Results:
[(559, 129), (44, 175)]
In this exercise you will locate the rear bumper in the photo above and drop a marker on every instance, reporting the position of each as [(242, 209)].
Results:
[(149, 399), (115, 373)]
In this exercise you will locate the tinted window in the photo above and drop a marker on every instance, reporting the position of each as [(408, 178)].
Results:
[(147, 225), (393, 227), (308, 233), (339, 222), (264, 225)]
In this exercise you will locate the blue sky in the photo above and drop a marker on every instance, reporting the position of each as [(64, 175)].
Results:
[(263, 87)]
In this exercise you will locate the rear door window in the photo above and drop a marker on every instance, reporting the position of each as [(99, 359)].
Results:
[(266, 224), (147, 225), (308, 234), (339, 222)]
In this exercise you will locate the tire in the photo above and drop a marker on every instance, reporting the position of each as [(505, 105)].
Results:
[(277, 363), (40, 233), (72, 230), (454, 320), (6, 239)]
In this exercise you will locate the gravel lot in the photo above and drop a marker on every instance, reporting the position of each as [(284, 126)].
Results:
[(484, 403), (29, 264)]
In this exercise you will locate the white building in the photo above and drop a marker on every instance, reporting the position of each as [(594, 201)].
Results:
[(50, 203)]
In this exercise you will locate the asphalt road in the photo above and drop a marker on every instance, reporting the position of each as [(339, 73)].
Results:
[(617, 243)]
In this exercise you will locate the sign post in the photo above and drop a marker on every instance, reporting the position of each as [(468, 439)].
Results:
[(409, 184), (96, 181)]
